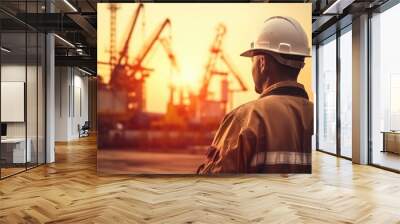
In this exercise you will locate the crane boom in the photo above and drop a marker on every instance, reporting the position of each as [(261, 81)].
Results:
[(150, 43), (167, 47), (124, 52), (234, 71), (215, 53)]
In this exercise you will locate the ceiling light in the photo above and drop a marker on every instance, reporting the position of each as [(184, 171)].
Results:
[(5, 50), (84, 71), (65, 41), (70, 5), (337, 7)]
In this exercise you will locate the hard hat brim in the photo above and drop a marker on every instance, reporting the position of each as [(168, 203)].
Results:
[(254, 51), (248, 53)]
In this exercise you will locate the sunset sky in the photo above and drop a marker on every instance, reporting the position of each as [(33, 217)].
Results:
[(193, 28)]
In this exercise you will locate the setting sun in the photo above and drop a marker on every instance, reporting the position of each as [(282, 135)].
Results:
[(180, 54)]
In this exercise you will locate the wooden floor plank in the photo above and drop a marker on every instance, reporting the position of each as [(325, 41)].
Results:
[(71, 191)]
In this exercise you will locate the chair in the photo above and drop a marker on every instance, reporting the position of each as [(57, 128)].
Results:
[(84, 130)]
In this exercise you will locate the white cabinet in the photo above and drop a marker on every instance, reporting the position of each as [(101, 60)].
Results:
[(17, 146)]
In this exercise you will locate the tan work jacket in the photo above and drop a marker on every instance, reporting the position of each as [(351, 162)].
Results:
[(269, 135)]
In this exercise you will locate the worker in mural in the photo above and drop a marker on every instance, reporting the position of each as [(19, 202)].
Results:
[(273, 133)]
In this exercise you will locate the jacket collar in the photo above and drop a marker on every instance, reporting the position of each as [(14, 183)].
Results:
[(281, 84)]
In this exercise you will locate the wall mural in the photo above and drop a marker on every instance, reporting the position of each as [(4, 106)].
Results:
[(204, 88)]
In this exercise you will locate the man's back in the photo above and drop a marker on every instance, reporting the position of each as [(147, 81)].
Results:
[(288, 122), (269, 135)]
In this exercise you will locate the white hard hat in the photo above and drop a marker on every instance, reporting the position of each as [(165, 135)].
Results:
[(281, 35)]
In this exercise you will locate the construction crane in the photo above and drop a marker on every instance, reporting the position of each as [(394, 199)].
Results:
[(176, 114), (127, 79), (115, 92), (141, 56), (236, 75), (113, 31), (119, 77), (217, 55), (137, 72), (123, 59), (215, 51), (166, 44)]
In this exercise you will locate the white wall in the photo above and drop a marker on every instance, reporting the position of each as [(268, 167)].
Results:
[(71, 102), (33, 127), (61, 103), (16, 73), (80, 110)]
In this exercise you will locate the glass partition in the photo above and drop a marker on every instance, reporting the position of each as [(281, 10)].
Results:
[(327, 96), (31, 99), (22, 76), (346, 93), (14, 151), (41, 109), (385, 89)]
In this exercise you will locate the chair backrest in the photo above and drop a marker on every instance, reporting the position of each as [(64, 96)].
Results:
[(86, 124)]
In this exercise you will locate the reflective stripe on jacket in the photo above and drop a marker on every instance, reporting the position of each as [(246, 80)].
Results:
[(269, 135)]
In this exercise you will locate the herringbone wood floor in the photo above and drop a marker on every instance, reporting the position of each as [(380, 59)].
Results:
[(70, 191)]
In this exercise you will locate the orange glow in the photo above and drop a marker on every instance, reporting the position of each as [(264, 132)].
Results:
[(193, 27), (190, 78)]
